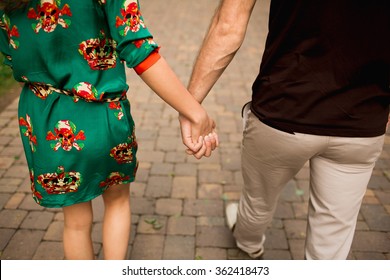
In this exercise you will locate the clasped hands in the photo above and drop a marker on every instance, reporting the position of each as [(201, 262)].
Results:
[(202, 145)]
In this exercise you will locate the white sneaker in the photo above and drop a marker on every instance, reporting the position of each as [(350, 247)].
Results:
[(231, 215)]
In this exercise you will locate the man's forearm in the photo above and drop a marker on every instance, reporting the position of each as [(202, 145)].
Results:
[(224, 38)]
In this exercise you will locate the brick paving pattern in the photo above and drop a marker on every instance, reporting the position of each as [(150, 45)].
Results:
[(177, 201)]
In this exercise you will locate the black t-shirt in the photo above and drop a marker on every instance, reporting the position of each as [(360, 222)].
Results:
[(326, 68)]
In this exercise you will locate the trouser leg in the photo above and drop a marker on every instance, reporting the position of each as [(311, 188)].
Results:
[(339, 179), (270, 158)]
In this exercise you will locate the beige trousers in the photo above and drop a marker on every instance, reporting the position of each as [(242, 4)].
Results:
[(340, 169)]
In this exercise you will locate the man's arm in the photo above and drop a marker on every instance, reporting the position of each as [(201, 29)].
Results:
[(223, 39)]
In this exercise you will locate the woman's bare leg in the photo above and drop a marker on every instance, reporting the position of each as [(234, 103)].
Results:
[(77, 231), (116, 223)]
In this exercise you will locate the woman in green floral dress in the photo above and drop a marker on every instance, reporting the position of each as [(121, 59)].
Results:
[(74, 116)]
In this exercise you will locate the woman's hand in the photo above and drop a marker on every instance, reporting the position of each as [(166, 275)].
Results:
[(207, 141), (198, 129)]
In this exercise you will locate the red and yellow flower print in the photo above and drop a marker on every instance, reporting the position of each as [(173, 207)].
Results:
[(140, 42), (48, 15), (66, 137), (99, 52), (27, 130), (123, 153), (60, 182), (131, 18), (37, 196), (114, 178), (118, 107), (85, 91), (12, 31)]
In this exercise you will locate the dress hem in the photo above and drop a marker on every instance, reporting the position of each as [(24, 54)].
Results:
[(87, 199)]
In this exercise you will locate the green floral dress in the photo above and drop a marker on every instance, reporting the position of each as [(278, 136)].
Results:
[(75, 121)]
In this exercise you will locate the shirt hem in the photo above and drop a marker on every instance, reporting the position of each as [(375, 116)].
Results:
[(322, 131)]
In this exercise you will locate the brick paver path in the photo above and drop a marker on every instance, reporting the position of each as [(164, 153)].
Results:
[(177, 201)]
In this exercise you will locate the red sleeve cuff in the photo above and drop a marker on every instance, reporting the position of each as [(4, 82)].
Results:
[(148, 62)]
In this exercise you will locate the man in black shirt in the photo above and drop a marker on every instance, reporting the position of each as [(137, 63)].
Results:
[(322, 95)]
